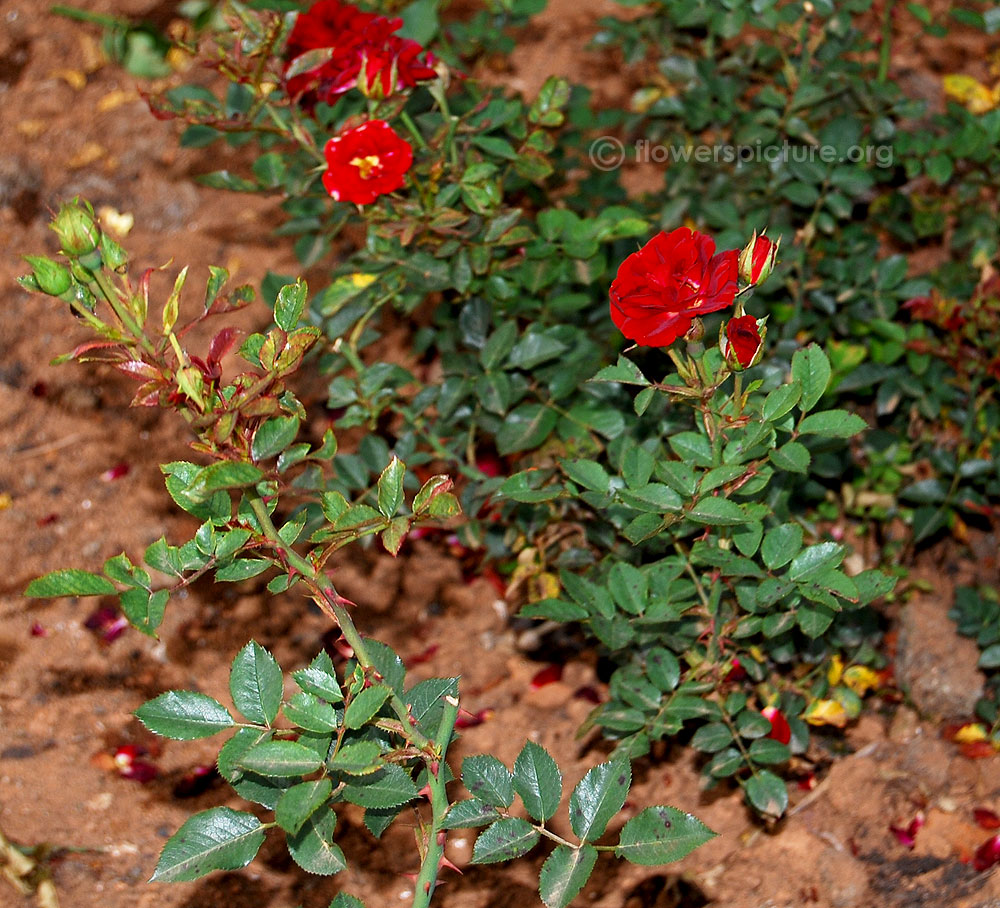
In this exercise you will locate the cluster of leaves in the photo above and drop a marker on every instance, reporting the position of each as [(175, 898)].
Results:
[(499, 251), (362, 738), (977, 614), (705, 636), (823, 140)]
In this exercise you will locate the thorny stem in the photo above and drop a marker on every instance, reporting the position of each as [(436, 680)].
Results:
[(430, 866), (326, 597)]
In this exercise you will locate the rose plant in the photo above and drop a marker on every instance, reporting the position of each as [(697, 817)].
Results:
[(677, 527), (361, 736)]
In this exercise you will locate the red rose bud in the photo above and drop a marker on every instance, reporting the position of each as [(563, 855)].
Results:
[(780, 731), (366, 162), (758, 259), (675, 278), (742, 342)]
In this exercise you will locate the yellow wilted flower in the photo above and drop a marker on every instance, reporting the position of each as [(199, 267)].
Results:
[(836, 670), (969, 734), (978, 98), (860, 679), (826, 712)]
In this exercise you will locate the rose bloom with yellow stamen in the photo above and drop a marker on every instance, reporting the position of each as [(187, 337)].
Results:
[(366, 162)]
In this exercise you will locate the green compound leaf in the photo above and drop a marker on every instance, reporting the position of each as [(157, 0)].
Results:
[(488, 779), (225, 474), (343, 900), (597, 797), (779, 401), (391, 786), (215, 839), (525, 428), (659, 835), (273, 436), (715, 511), (781, 544), (832, 424), (365, 705), (281, 759), (300, 802), (564, 873), (538, 781), (312, 847), (390, 487), (358, 758), (506, 839), (289, 305), (184, 715), (255, 683), (69, 583), (468, 813), (767, 793), (811, 369)]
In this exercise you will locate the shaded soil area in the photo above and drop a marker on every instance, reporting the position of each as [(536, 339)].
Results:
[(72, 125)]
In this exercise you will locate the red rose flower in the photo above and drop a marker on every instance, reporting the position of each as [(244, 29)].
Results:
[(366, 162), (758, 259), (744, 341), (674, 278), (356, 41)]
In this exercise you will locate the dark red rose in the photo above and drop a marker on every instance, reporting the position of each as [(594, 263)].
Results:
[(744, 339), (673, 279), (758, 259), (366, 162), (356, 41)]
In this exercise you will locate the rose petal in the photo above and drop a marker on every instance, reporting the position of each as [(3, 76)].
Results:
[(116, 472), (987, 854), (780, 729), (986, 818), (546, 676)]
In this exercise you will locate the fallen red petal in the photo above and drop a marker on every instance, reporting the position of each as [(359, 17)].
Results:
[(587, 693), (196, 782), (546, 676), (908, 836), (47, 519), (987, 854), (781, 731), (116, 472), (421, 657), (38, 630), (471, 720), (986, 818), (977, 750)]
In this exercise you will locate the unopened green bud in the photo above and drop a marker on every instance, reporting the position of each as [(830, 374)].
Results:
[(112, 254), (76, 228), (51, 277)]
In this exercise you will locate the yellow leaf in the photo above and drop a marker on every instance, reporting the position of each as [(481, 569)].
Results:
[(835, 671), (360, 280), (72, 77), (978, 98), (116, 98), (89, 153), (5, 501), (826, 712), (860, 679), (544, 586), (969, 734)]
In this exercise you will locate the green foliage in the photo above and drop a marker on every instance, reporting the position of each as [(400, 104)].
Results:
[(656, 835)]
